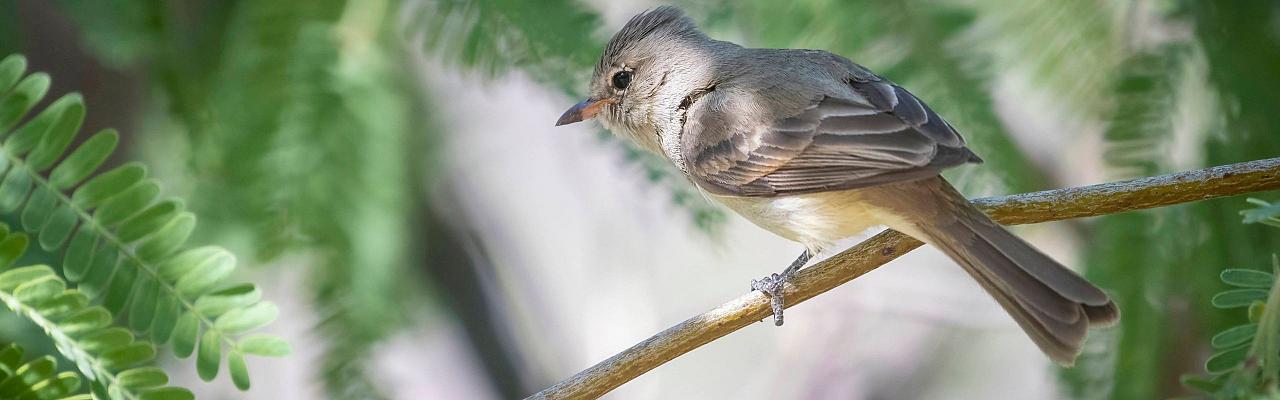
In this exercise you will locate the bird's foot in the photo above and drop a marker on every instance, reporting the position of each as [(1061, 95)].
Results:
[(772, 286)]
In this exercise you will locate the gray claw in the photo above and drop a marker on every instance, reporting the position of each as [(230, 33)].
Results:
[(772, 286)]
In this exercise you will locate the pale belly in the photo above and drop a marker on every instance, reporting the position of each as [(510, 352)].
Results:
[(815, 220)]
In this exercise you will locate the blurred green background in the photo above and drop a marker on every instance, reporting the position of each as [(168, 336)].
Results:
[(359, 156)]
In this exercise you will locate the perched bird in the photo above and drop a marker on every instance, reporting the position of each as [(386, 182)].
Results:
[(815, 148)]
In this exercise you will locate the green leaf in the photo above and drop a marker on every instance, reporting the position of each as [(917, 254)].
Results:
[(167, 393), (264, 345), (184, 335), (1266, 213), (180, 265), (126, 204), (11, 248), (246, 319), (39, 208), (1234, 336), (63, 304), (22, 99), (142, 378), (14, 190), (84, 160), (86, 320), (107, 185), (210, 355), (28, 135), (120, 289), (57, 228), (98, 277), (206, 275), (238, 369), (116, 247), (55, 140), (1226, 361), (11, 356), (11, 69), (79, 254), (149, 221), (221, 301), (1237, 298), (168, 239), (39, 290), (127, 356), (1248, 278), (61, 385), (143, 306), (80, 331), (12, 278), (29, 374), (166, 319), (110, 338)]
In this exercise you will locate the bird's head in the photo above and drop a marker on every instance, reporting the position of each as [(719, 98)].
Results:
[(647, 68)]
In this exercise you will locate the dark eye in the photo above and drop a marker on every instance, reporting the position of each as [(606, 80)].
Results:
[(622, 79)]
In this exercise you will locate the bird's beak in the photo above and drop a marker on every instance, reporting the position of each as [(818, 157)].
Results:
[(585, 110)]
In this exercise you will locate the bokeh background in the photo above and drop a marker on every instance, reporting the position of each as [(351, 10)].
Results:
[(390, 172)]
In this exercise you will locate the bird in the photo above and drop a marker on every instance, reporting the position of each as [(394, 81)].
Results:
[(815, 148)]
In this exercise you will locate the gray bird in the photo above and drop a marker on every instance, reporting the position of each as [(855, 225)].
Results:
[(815, 148)]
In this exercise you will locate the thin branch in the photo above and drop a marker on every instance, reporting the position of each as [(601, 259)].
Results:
[(1051, 205)]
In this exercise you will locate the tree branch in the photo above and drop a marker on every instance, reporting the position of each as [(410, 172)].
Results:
[(1051, 205)]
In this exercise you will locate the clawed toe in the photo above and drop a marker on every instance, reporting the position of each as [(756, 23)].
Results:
[(772, 286)]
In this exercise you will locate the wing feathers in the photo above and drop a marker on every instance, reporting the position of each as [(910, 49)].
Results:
[(884, 134)]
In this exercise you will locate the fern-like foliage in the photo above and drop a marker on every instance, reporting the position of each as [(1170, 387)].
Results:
[(1070, 48), (36, 379), (1139, 128), (1266, 213), (111, 357), (121, 244), (553, 42), (1246, 359), (550, 39)]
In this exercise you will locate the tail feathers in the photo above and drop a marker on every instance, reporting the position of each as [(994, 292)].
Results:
[(1056, 322), (1055, 306)]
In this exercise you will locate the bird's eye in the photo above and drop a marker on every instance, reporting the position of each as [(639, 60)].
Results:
[(622, 79)]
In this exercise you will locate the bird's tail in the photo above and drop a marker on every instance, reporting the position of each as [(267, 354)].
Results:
[(1053, 305)]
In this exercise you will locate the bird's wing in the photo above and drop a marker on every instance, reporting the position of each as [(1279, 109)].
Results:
[(883, 134)]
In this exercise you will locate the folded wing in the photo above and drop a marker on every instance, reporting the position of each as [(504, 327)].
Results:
[(882, 134)]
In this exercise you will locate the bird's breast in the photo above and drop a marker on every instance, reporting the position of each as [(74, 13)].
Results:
[(816, 220)]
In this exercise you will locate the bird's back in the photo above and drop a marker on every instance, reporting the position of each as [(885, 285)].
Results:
[(786, 81)]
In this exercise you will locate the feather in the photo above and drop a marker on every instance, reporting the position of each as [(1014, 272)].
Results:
[(866, 132)]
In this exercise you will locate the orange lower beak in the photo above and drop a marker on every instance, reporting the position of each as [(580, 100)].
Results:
[(585, 110)]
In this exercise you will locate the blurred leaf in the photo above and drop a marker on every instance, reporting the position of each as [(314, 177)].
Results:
[(1265, 213), (1199, 383), (1138, 125), (1227, 360), (1234, 336), (1247, 278), (1238, 298), (239, 372), (209, 356), (264, 345), (37, 379), (553, 42), (551, 39), (1256, 310)]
